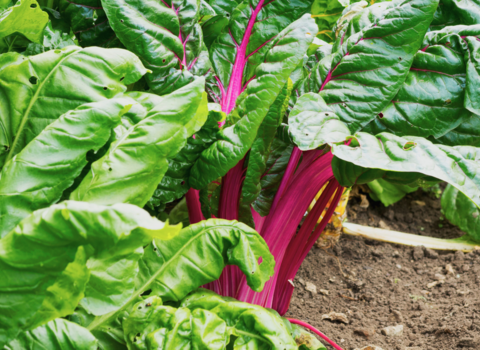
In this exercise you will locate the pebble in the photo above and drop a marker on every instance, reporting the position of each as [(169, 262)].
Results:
[(324, 291), (429, 253), (383, 225), (465, 268), (311, 287), (393, 331), (366, 332), (335, 316), (398, 316), (396, 254), (413, 348), (418, 253), (449, 269), (369, 347), (459, 256), (467, 343)]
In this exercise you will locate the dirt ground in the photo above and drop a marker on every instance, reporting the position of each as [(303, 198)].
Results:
[(433, 296)]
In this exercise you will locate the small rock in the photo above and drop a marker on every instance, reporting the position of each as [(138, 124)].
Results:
[(383, 225), (467, 343), (413, 348), (396, 254), (449, 269), (419, 203), (393, 331), (324, 291), (398, 316), (336, 316), (440, 277), (301, 281), (431, 254), (377, 253), (463, 292), (358, 315), (418, 253), (433, 284), (364, 202), (465, 268), (459, 256), (398, 266), (366, 332), (311, 287), (369, 347)]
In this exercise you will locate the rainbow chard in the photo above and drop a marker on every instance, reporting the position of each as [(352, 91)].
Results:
[(342, 100)]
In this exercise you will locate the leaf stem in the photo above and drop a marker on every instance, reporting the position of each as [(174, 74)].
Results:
[(316, 331)]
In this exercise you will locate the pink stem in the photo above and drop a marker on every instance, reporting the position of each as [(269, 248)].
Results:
[(230, 192), (193, 204), (316, 331)]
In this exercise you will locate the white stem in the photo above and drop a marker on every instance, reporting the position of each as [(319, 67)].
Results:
[(406, 238)]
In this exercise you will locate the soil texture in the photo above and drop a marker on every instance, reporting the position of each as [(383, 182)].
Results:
[(394, 297)]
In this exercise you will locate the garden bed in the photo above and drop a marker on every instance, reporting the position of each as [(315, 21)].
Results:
[(386, 285)]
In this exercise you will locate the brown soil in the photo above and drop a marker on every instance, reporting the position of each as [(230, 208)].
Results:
[(386, 285)]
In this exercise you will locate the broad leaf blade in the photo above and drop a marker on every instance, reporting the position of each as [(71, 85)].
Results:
[(34, 256), (135, 164), (37, 176), (36, 90)]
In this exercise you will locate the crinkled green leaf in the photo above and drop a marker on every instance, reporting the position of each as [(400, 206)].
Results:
[(277, 162), (305, 340), (258, 155), (37, 176), (254, 326), (456, 165), (388, 193), (175, 182), (466, 134), (165, 35), (201, 252), (36, 257), (212, 28), (52, 39), (89, 23), (55, 335), (441, 89), (283, 55), (135, 164), (462, 212), (36, 90), (25, 18), (455, 12), (312, 123), (364, 74), (151, 325), (326, 14)]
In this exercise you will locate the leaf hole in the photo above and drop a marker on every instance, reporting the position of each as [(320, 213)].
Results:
[(105, 88), (326, 114), (109, 169), (6, 147), (448, 101), (227, 14), (121, 21), (138, 334), (380, 115), (122, 78), (183, 183), (164, 60), (399, 58), (33, 6), (139, 307), (33, 80)]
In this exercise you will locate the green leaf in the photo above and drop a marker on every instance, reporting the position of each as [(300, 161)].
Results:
[(37, 176), (461, 212), (280, 152), (326, 14), (386, 152), (152, 325), (305, 340), (466, 134), (36, 90), (175, 182), (55, 335), (36, 258), (365, 73), (52, 39), (254, 326), (212, 28), (441, 89), (312, 123), (283, 55), (89, 23), (258, 155), (164, 34), (200, 251), (134, 165), (388, 193), (25, 18)]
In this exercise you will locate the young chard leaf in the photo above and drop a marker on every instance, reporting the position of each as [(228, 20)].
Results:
[(48, 165), (36, 257), (284, 54), (36, 90), (134, 165)]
